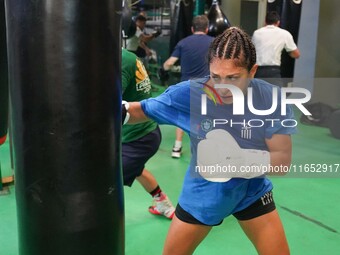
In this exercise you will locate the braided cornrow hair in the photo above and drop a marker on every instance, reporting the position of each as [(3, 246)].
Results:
[(233, 43)]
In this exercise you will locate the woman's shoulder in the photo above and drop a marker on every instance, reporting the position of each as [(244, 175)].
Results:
[(263, 91), (262, 86)]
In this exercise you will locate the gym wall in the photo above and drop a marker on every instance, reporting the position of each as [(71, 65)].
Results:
[(327, 66)]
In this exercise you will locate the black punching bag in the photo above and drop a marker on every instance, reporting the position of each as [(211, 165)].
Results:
[(3, 76), (290, 13), (181, 21), (218, 22), (65, 87), (275, 5), (128, 24)]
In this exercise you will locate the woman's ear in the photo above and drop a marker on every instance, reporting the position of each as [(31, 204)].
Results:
[(252, 71)]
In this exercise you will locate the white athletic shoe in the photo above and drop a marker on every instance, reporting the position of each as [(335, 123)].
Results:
[(176, 152), (162, 206)]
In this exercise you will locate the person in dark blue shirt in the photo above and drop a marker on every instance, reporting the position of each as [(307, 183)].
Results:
[(192, 53)]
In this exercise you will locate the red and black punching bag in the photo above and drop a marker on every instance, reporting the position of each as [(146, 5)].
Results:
[(218, 22), (65, 87), (3, 76)]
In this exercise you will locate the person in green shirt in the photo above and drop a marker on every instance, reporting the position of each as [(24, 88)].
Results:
[(141, 141)]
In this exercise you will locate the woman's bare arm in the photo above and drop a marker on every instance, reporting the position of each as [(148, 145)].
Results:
[(136, 113)]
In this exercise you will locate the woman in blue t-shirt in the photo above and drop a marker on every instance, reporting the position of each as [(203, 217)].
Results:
[(239, 133)]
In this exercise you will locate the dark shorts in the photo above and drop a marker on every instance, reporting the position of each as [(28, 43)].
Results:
[(271, 74), (135, 154), (263, 205)]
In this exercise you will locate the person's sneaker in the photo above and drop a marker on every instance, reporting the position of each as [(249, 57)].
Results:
[(176, 152), (162, 206)]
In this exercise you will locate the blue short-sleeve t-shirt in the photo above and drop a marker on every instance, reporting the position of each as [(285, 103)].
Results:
[(180, 105), (192, 52)]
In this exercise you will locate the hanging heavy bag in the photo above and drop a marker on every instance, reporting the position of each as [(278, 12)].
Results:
[(3, 76), (65, 72), (290, 12), (128, 24), (290, 20), (274, 5), (181, 17), (218, 22)]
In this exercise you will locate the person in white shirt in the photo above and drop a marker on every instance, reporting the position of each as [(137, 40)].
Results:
[(137, 43), (269, 42)]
